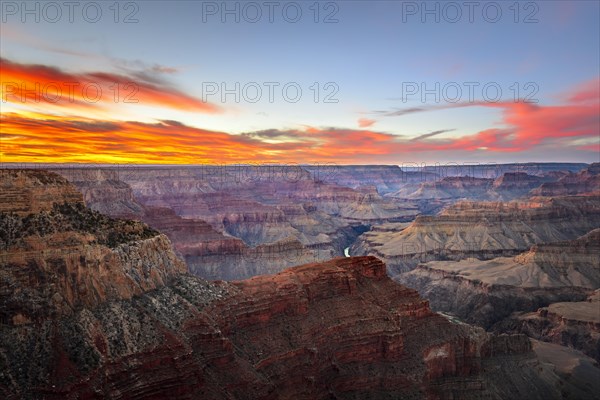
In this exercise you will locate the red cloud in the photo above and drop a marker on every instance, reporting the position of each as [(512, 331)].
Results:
[(42, 138), (29, 84)]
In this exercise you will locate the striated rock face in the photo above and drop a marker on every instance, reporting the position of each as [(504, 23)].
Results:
[(214, 255), (485, 292), (448, 188), (31, 191), (483, 230), (232, 223), (512, 185), (572, 324), (340, 329), (63, 256), (385, 178), (227, 205), (585, 181), (103, 191)]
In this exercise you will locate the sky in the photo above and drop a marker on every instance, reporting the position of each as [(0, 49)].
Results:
[(348, 82)]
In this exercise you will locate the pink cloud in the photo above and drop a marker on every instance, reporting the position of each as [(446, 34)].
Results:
[(365, 122)]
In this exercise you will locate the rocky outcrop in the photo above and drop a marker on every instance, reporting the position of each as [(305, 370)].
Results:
[(585, 181), (60, 256), (485, 292), (340, 329), (33, 191), (572, 324), (483, 230)]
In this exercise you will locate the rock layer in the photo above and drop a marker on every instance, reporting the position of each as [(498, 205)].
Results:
[(572, 324), (340, 329), (483, 230), (485, 292), (230, 223), (98, 308), (58, 256), (585, 181)]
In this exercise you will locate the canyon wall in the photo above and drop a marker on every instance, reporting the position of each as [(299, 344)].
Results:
[(482, 230), (485, 292), (94, 307)]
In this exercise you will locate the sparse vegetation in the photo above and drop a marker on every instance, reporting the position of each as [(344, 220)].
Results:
[(10, 230), (71, 217)]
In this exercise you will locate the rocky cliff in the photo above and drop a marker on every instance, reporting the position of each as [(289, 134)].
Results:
[(340, 329), (483, 230), (572, 324), (64, 256), (584, 181), (485, 292), (31, 191), (103, 191)]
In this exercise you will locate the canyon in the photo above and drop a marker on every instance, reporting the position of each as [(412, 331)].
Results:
[(126, 282), (110, 312), (233, 223), (269, 217)]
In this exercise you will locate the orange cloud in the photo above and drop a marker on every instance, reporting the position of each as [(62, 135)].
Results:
[(30, 84), (29, 137)]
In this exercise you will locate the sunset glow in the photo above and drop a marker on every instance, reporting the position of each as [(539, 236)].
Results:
[(140, 112)]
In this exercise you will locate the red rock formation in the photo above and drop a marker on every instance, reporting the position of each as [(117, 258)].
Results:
[(339, 329), (32, 191)]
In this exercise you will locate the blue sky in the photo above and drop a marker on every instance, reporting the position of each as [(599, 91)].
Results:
[(367, 56)]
